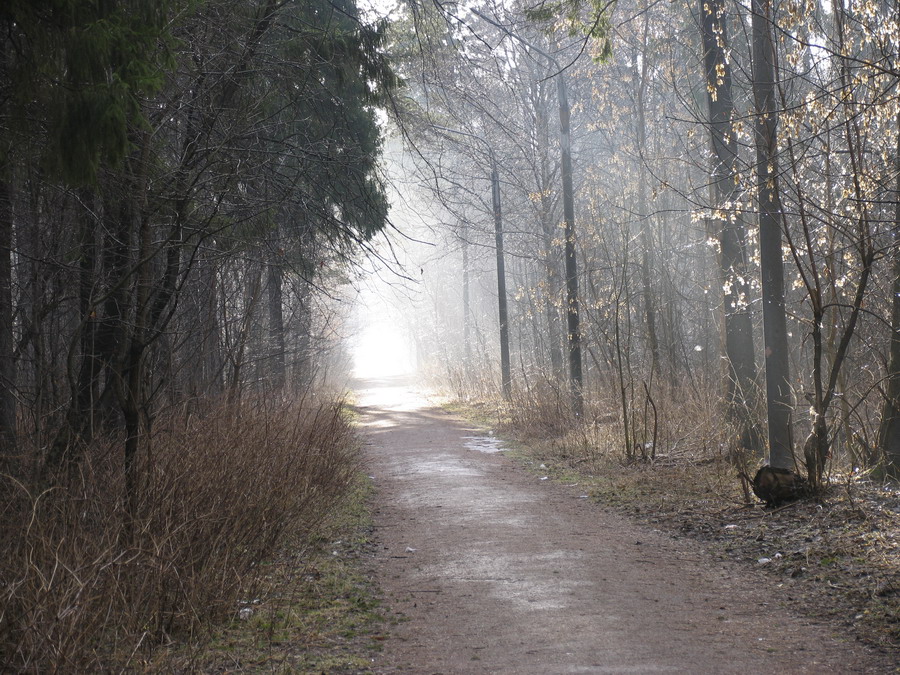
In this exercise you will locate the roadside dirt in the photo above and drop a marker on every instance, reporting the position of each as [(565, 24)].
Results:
[(489, 569)]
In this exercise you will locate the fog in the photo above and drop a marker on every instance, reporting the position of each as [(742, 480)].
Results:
[(637, 289), (392, 290), (382, 346)]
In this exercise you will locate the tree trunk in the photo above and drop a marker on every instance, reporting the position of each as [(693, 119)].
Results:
[(8, 438), (548, 232), (576, 382), (81, 412), (645, 224), (554, 332), (7, 346), (305, 367), (740, 380), (889, 430), (503, 311), (778, 391), (132, 399), (212, 363), (466, 309), (276, 328), (238, 353)]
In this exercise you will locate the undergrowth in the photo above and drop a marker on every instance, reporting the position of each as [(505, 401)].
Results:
[(89, 585), (316, 611)]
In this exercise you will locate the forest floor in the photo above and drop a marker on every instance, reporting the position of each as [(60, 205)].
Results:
[(465, 554), (485, 567), (834, 558)]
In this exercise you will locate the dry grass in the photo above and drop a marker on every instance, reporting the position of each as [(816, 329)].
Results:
[(87, 587), (671, 424), (316, 612)]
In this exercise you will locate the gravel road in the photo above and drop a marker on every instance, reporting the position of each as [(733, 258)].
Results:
[(497, 571)]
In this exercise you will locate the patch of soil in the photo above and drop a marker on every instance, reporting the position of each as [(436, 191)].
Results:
[(499, 571), (836, 557)]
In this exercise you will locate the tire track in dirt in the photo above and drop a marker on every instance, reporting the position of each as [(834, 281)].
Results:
[(496, 571)]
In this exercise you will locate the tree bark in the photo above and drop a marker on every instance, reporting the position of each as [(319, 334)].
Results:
[(740, 380), (889, 429), (276, 327), (81, 412), (148, 307), (7, 346), (238, 353), (645, 224), (503, 310), (778, 391), (8, 435), (467, 311), (305, 368), (212, 363), (548, 232), (576, 381)]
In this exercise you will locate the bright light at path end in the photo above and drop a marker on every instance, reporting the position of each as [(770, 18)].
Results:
[(381, 350)]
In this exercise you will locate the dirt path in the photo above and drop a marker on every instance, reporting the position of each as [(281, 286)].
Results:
[(497, 571)]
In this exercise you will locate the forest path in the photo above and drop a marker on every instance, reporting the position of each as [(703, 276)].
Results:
[(497, 571)]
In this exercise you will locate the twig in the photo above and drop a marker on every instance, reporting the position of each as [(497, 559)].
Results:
[(776, 510)]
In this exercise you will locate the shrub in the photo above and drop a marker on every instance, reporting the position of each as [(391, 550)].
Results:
[(88, 586)]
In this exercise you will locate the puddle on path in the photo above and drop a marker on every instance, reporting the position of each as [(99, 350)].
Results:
[(449, 467), (486, 444)]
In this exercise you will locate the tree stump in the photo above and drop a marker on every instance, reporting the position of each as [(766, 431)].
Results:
[(776, 486)]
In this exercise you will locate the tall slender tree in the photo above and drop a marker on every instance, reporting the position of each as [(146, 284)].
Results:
[(889, 429), (740, 379), (778, 389)]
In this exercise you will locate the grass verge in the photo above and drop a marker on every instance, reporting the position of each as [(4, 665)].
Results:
[(99, 575), (317, 611)]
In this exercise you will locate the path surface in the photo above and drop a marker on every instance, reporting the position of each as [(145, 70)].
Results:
[(497, 571)]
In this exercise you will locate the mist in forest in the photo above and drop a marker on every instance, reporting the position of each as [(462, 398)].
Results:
[(620, 211), (662, 229), (652, 213), (381, 345), (406, 283)]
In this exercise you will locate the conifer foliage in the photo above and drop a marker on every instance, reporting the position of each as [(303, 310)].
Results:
[(163, 167), (183, 184)]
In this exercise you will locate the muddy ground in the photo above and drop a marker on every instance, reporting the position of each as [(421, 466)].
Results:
[(488, 568)]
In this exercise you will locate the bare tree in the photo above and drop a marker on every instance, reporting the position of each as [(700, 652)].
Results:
[(778, 390), (740, 385)]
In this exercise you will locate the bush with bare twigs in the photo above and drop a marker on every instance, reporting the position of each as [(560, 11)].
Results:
[(86, 586), (643, 424)]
